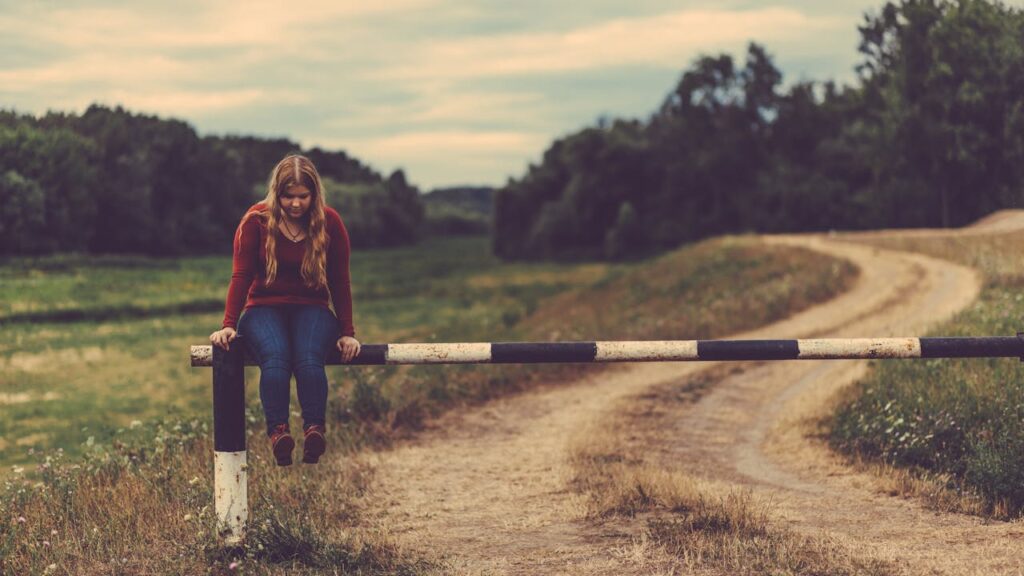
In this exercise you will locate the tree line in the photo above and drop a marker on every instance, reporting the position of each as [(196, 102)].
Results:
[(109, 181), (930, 134)]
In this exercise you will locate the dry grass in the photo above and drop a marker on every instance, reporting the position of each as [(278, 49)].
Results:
[(623, 467), (705, 290), (136, 511), (937, 491), (999, 257)]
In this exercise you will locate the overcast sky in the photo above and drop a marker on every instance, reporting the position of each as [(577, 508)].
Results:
[(452, 91)]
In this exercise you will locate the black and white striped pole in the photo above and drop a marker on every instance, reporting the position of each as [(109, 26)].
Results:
[(230, 489), (230, 493)]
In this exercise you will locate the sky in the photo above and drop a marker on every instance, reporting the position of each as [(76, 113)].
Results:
[(452, 91)]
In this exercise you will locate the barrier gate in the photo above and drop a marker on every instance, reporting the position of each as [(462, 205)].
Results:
[(230, 484)]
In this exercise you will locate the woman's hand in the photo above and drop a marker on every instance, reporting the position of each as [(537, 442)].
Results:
[(223, 337), (349, 348)]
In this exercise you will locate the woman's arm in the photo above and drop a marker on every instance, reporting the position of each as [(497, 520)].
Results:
[(339, 282), (244, 263)]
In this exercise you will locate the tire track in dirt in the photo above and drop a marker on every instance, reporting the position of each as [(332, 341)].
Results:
[(487, 490)]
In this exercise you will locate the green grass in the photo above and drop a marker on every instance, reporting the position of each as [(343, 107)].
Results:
[(107, 410), (62, 382), (77, 287), (958, 420)]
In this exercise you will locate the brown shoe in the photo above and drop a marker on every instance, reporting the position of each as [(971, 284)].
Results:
[(282, 444), (314, 444)]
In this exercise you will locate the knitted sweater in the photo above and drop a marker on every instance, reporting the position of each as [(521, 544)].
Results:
[(248, 285)]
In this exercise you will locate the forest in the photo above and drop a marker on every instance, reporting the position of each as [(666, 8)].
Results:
[(110, 181), (930, 135)]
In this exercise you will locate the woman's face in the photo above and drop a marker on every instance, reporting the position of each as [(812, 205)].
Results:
[(296, 200)]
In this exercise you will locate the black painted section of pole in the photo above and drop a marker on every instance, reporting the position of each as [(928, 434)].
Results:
[(229, 399), (369, 355), (986, 347), (747, 349), (542, 352)]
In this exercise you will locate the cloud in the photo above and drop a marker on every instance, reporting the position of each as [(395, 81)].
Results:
[(238, 23), (163, 55), (200, 102), (432, 158), (451, 143), (660, 40), (97, 68), (444, 105)]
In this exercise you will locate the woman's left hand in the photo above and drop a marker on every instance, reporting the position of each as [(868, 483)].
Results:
[(349, 348)]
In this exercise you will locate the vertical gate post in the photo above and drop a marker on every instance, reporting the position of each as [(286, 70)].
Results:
[(230, 494)]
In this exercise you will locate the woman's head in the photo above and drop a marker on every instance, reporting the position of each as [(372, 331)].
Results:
[(295, 189)]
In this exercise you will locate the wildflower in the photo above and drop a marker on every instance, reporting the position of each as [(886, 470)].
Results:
[(233, 566), (187, 517), (51, 568), (18, 469), (21, 520), (46, 543), (53, 532), (135, 424)]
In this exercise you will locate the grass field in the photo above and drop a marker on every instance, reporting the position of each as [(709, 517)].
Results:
[(959, 424), (105, 408), (63, 382)]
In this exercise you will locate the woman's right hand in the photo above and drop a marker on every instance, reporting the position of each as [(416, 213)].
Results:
[(223, 337)]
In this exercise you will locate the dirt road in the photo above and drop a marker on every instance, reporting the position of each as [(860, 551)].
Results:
[(487, 490)]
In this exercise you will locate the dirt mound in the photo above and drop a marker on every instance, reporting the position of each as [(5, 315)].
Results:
[(999, 221)]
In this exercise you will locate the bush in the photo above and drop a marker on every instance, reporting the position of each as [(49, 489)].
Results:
[(959, 417)]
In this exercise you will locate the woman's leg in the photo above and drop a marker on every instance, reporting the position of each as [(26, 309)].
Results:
[(264, 331), (314, 332)]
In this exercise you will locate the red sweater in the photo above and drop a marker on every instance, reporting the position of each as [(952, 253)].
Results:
[(249, 272)]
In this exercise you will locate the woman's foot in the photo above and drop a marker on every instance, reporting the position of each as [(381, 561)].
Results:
[(282, 444), (314, 444)]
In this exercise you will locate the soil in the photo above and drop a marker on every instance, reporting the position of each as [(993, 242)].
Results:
[(487, 490)]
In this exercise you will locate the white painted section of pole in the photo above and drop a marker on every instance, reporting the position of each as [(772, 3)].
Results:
[(201, 355), (230, 494), (646, 351), (831, 348), (457, 353)]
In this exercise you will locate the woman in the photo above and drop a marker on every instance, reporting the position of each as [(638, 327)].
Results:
[(291, 255)]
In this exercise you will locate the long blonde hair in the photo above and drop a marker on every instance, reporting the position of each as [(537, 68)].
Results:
[(295, 170)]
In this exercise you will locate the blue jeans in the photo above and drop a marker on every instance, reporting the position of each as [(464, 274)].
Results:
[(286, 340)]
